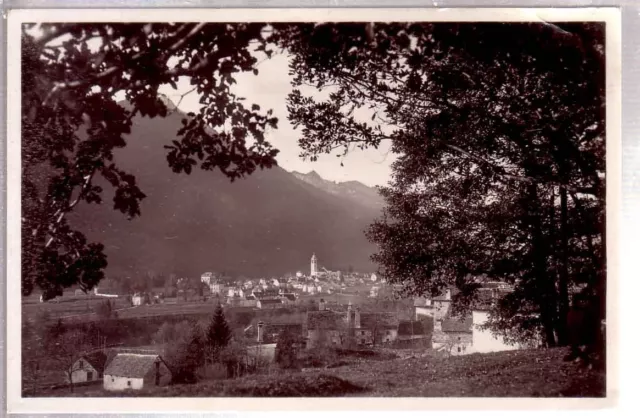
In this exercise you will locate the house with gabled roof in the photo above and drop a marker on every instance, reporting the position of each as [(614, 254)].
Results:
[(135, 371), (88, 368), (457, 333)]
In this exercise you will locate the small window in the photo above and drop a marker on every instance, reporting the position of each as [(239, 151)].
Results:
[(388, 332), (362, 341), (89, 375), (129, 383), (113, 379), (459, 350), (81, 364)]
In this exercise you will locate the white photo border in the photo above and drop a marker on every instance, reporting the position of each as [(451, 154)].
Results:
[(17, 404)]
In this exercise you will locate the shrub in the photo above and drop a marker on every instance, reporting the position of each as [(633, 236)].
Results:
[(287, 350), (186, 355)]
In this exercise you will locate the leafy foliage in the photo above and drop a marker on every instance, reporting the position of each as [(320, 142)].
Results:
[(287, 350), (499, 132), (187, 354), (72, 123)]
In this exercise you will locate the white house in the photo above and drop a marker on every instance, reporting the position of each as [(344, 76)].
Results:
[(135, 371), (484, 341), (136, 299), (88, 368), (235, 292)]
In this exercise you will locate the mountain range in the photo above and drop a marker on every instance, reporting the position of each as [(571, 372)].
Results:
[(268, 223)]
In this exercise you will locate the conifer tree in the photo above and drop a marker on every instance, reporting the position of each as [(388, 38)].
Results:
[(218, 334)]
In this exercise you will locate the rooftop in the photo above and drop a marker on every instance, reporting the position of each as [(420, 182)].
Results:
[(412, 328), (379, 320), (325, 320), (132, 365), (451, 324)]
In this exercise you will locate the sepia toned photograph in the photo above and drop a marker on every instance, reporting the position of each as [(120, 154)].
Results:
[(313, 209)]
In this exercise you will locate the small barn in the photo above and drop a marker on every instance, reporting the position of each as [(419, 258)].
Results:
[(135, 371), (88, 368)]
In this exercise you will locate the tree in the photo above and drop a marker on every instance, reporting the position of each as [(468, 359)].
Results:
[(499, 132), (65, 350), (165, 334), (287, 350), (218, 334), (31, 359), (72, 123), (234, 356), (187, 354)]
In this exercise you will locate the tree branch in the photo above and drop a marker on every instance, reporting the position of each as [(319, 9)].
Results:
[(500, 171)]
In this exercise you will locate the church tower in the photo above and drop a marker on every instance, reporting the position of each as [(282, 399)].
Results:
[(314, 266)]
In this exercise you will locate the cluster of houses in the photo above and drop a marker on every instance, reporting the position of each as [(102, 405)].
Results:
[(433, 326), (467, 334), (122, 371), (277, 292)]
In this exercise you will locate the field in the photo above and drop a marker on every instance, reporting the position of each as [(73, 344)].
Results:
[(82, 308), (527, 373), (68, 308)]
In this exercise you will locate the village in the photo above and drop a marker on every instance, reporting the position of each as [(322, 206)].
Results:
[(317, 311)]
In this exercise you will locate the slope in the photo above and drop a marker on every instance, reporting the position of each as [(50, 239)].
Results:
[(268, 223)]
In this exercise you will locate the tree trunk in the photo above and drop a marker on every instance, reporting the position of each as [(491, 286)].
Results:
[(563, 283), (546, 295)]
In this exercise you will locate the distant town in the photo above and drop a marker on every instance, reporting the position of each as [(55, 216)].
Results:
[(314, 309)]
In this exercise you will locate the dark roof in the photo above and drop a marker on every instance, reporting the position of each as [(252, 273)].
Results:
[(273, 331), (450, 324), (442, 296), (270, 301), (325, 320), (277, 328), (131, 365), (404, 328), (379, 319), (266, 293), (97, 360)]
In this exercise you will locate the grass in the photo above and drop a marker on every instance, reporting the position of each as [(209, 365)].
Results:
[(527, 373)]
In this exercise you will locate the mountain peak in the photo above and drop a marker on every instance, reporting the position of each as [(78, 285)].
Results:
[(351, 189)]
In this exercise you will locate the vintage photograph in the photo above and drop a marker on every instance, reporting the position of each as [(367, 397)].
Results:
[(312, 209)]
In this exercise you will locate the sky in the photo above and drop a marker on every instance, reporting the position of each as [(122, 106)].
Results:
[(269, 89)]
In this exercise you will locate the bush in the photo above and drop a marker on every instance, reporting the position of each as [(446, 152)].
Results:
[(287, 351), (319, 357), (186, 355), (213, 371)]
